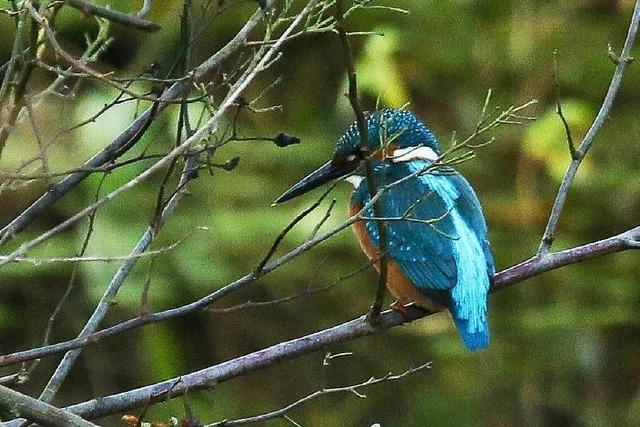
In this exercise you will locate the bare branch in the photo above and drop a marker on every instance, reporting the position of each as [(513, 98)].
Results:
[(209, 128), (381, 225), (205, 301), (114, 286), (354, 389), (15, 55), (146, 8), (84, 258), (130, 136), (130, 20), (306, 292), (534, 266), (35, 410), (209, 377), (78, 64), (621, 65), (324, 219), (567, 129), (9, 116), (288, 228)]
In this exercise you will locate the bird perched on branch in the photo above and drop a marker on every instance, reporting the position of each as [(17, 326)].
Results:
[(438, 254)]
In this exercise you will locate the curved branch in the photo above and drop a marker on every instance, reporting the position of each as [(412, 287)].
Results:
[(210, 377), (354, 388)]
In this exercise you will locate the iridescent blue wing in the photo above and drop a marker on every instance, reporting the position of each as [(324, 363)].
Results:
[(424, 251), (470, 210)]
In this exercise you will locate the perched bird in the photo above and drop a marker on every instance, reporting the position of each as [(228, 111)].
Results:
[(438, 254)]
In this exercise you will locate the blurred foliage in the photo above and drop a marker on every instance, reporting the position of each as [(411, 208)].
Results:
[(564, 345)]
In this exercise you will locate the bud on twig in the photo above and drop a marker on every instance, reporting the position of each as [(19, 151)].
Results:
[(283, 140)]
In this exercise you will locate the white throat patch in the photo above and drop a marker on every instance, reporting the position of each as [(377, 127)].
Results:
[(413, 153), (354, 180)]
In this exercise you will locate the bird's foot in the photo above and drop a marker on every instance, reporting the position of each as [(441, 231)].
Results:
[(399, 307)]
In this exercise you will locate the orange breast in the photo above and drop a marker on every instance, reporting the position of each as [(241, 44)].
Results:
[(398, 283)]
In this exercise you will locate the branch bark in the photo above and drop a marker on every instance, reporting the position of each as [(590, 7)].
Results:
[(40, 412), (130, 20), (210, 377)]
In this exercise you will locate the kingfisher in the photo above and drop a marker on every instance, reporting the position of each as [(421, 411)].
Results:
[(438, 253)]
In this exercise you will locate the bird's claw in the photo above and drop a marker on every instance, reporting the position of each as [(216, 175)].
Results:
[(399, 307)]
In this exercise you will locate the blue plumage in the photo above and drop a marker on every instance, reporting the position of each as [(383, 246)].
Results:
[(437, 235), (402, 126), (449, 260)]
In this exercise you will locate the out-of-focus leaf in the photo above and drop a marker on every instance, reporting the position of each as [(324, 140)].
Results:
[(545, 139), (378, 72)]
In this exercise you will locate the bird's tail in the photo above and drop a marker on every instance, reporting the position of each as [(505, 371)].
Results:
[(469, 295), (474, 332), (469, 311)]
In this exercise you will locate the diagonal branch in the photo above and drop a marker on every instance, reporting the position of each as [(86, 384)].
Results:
[(621, 65), (130, 20), (38, 411), (209, 377), (354, 389), (105, 302)]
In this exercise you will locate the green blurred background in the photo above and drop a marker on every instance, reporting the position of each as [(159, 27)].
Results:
[(565, 345)]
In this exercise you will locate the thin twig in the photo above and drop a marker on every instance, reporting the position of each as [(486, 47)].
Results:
[(146, 8), (114, 286), (288, 228), (305, 293), (109, 167), (249, 278), (42, 146), (567, 129), (130, 136), (21, 78), (15, 56), (376, 307), (622, 63), (205, 301), (78, 64), (209, 128), (353, 389), (26, 374), (345, 332), (324, 219), (82, 258), (65, 365)]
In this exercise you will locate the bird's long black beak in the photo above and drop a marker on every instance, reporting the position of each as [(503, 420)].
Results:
[(327, 172)]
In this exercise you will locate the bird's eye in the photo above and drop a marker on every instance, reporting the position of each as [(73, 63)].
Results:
[(352, 158)]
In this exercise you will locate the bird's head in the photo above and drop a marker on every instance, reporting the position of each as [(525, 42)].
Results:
[(393, 136)]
